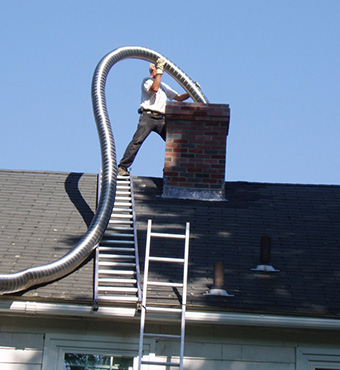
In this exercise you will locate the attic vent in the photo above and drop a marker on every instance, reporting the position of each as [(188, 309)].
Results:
[(217, 288), (265, 256)]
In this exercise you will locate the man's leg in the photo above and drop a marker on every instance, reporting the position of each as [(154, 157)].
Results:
[(143, 130), (161, 128)]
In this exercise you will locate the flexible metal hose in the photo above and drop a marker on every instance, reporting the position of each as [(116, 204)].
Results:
[(14, 282)]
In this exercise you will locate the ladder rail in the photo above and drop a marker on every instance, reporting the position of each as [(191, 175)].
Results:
[(139, 291), (184, 294), (145, 288), (95, 280), (96, 254)]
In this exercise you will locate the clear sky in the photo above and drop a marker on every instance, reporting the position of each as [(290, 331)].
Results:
[(275, 62)]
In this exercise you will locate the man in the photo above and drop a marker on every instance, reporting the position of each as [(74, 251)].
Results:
[(152, 113)]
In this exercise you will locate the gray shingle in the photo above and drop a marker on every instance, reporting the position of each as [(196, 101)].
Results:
[(42, 215)]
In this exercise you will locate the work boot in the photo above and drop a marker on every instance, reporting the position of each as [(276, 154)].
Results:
[(122, 172)]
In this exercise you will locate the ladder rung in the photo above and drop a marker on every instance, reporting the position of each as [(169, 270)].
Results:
[(165, 235), (127, 256), (165, 363), (168, 336), (166, 259), (122, 204), (163, 309), (115, 249), (161, 283), (127, 264), (114, 235), (117, 289), (117, 242), (121, 228), (123, 178), (117, 281), (117, 298), (116, 272), (123, 198), (120, 222), (121, 216)]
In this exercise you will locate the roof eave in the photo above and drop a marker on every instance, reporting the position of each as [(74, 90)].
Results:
[(20, 308)]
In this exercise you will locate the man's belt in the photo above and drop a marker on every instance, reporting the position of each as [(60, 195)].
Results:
[(153, 112)]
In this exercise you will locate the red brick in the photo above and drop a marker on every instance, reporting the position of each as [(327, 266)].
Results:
[(196, 144)]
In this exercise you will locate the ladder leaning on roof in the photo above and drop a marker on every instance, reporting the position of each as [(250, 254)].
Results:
[(146, 283), (117, 277)]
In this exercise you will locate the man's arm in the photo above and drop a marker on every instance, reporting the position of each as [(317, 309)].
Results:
[(182, 97), (156, 83), (157, 72)]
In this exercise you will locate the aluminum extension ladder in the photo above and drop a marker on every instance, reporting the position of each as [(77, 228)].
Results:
[(117, 277), (147, 309)]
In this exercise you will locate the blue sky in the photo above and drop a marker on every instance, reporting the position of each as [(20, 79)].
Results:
[(276, 63)]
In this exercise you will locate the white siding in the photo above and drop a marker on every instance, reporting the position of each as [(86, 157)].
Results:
[(23, 345), (19, 351)]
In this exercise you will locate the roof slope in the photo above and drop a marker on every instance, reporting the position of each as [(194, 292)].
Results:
[(43, 214), (302, 220)]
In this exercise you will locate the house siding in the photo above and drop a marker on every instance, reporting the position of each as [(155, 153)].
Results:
[(27, 343), (21, 351)]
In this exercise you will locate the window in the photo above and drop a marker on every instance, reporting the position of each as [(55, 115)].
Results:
[(79, 352), (80, 361)]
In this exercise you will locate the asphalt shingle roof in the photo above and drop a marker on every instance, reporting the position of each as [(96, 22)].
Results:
[(42, 215), (303, 222)]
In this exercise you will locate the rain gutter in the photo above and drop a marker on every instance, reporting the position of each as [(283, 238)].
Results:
[(20, 308)]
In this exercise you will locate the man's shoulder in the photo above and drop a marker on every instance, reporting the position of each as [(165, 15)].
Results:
[(147, 79), (147, 82)]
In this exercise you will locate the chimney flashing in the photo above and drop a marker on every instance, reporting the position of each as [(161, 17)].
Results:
[(194, 194)]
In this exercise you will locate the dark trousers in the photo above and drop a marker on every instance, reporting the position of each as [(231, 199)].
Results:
[(147, 122)]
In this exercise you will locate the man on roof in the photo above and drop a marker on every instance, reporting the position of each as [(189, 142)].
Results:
[(152, 112)]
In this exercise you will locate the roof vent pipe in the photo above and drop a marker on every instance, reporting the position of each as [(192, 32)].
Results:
[(265, 256), (217, 288)]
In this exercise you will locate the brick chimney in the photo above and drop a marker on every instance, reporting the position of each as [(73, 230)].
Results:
[(195, 152)]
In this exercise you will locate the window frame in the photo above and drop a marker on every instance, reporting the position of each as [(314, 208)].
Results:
[(315, 358), (56, 345)]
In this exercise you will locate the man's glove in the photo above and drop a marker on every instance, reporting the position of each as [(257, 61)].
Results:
[(160, 63)]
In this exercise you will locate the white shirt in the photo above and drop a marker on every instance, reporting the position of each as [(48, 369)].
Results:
[(156, 101)]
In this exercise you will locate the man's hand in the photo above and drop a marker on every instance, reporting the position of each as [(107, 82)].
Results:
[(160, 63)]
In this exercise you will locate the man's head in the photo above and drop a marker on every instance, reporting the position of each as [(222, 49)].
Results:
[(152, 70)]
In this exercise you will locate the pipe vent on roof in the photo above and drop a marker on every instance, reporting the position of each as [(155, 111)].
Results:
[(218, 287), (265, 256)]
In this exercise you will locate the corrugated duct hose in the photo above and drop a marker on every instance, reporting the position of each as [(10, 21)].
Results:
[(14, 282)]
